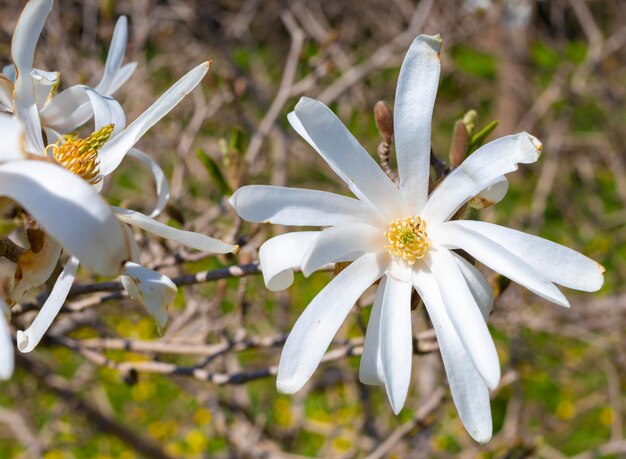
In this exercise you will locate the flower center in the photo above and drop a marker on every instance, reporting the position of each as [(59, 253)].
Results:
[(80, 156), (407, 239)]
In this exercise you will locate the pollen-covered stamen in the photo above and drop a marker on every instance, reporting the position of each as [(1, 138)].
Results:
[(408, 239), (80, 156)]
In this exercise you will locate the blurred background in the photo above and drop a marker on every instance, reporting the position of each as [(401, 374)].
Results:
[(105, 385)]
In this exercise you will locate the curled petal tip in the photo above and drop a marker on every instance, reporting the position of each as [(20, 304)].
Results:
[(434, 41), (538, 145), (22, 341), (286, 387)]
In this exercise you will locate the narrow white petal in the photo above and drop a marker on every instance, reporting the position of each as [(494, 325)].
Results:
[(187, 238), (69, 210), (318, 324), (9, 72), (160, 181), (371, 366), (27, 31), (556, 262), (114, 151), (299, 207), (106, 110), (34, 268), (480, 170), (396, 340), (339, 241), (11, 133), (299, 128), (497, 257), (479, 286), (491, 195), (7, 362), (43, 83), (413, 113), (344, 153), (122, 76), (152, 289), (6, 95), (469, 392), (115, 56), (465, 315), (67, 110), (281, 254), (135, 254), (27, 340)]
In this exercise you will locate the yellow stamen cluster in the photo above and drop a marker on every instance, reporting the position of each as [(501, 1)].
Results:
[(408, 239), (80, 156)]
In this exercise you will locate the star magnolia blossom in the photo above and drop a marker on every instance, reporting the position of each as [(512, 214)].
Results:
[(45, 190), (404, 238)]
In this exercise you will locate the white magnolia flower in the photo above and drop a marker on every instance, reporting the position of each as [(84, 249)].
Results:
[(68, 110), (90, 159), (405, 238), (76, 219)]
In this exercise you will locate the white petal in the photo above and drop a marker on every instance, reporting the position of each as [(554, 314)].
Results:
[(27, 31), (339, 241), (6, 95), (115, 56), (44, 83), (281, 254), (69, 211), (29, 339), (67, 110), (160, 181), (479, 286), (34, 268), (186, 238), (465, 315), (106, 110), (11, 133), (371, 366), (9, 72), (318, 324), (480, 170), (6, 344), (497, 257), (154, 290), (113, 152), (556, 262), (344, 153), (299, 207), (413, 113), (469, 392), (135, 254), (491, 195), (396, 340), (122, 76)]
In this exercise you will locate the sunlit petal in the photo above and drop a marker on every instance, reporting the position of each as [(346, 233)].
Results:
[(469, 392), (314, 330), (396, 340), (27, 340), (281, 254), (152, 289), (371, 366), (186, 238), (480, 170), (413, 113), (69, 211)]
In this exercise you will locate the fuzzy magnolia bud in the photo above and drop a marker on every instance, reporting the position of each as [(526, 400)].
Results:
[(384, 120)]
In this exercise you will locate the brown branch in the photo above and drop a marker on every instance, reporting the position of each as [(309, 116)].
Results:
[(10, 250)]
